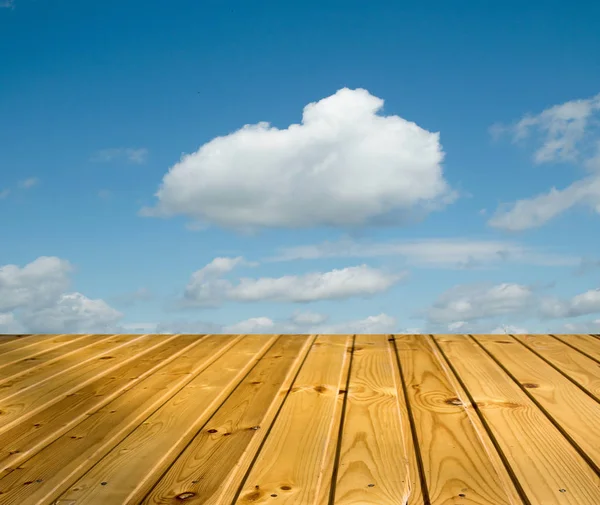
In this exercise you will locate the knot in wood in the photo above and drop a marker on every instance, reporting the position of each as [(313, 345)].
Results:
[(530, 385), (185, 496), (453, 401)]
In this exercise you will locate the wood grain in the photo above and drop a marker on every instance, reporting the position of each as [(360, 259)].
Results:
[(340, 420), (291, 463), (454, 454), (586, 344), (32, 365), (373, 465), (133, 466), (547, 467), (21, 342), (17, 349), (579, 368), (27, 438), (18, 403), (575, 412), (50, 472), (211, 468), (416, 496), (5, 338)]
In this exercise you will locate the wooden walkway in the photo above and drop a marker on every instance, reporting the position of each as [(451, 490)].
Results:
[(300, 419)]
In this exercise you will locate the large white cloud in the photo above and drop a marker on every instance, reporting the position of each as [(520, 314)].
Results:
[(566, 132), (344, 165), (34, 298), (207, 288)]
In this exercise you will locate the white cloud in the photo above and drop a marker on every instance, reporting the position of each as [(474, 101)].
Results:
[(568, 132), (564, 129), (33, 298), (206, 287), (533, 212), (580, 305), (381, 323), (344, 165), (442, 253), (35, 285), (29, 182), (508, 330), (457, 325), (9, 324), (252, 325), (466, 303), (580, 327), (72, 313), (132, 155)]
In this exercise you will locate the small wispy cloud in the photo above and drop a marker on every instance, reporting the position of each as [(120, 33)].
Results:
[(137, 156), (29, 182), (455, 253), (7, 4), (208, 288), (105, 194), (4, 193)]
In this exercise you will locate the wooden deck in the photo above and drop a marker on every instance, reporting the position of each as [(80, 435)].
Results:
[(299, 419)]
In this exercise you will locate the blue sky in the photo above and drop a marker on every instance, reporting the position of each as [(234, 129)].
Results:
[(299, 166)]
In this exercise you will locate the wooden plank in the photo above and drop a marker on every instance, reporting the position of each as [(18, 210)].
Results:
[(211, 468), (36, 377), (51, 471), (22, 404), (548, 468), (5, 338), (135, 465), (9, 371), (21, 341), (32, 345), (456, 454), (415, 485), (579, 368), (373, 465), (26, 439), (296, 451), (586, 344), (329, 465), (574, 411)]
